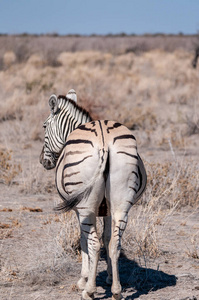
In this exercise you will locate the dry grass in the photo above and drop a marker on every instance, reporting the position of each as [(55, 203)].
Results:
[(69, 237), (174, 184), (32, 209), (110, 86), (50, 46), (150, 90), (193, 251), (170, 187), (8, 169), (192, 123)]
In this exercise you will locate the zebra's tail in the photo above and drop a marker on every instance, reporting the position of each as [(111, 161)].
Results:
[(70, 201), (143, 179)]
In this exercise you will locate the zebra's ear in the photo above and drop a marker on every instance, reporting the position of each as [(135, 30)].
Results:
[(53, 103), (72, 95)]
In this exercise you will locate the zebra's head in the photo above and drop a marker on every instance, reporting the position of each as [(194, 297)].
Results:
[(54, 138), (65, 116)]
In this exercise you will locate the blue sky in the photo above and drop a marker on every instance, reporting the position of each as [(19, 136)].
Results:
[(99, 16)]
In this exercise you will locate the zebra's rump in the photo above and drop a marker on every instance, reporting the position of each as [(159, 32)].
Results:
[(99, 157)]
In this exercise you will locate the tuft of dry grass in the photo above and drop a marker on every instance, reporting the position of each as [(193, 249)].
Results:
[(8, 169), (69, 236), (174, 184), (32, 209), (193, 252), (6, 209), (192, 123), (3, 225), (140, 237), (9, 59)]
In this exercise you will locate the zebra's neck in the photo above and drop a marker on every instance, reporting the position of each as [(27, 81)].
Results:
[(73, 115)]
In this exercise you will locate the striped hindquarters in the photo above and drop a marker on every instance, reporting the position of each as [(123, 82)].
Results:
[(92, 152)]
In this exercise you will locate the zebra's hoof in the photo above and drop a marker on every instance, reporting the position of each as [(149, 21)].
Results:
[(117, 297), (86, 296)]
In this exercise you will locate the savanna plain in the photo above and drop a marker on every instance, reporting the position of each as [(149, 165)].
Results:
[(148, 84)]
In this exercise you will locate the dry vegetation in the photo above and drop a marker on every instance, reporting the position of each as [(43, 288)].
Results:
[(8, 170), (146, 83)]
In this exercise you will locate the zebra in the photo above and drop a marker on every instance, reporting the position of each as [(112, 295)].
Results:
[(98, 173)]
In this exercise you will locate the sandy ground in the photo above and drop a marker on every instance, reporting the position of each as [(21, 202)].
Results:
[(34, 266)]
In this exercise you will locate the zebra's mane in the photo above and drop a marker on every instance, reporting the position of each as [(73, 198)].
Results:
[(75, 105)]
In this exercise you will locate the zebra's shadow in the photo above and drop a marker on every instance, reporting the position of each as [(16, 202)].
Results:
[(137, 280)]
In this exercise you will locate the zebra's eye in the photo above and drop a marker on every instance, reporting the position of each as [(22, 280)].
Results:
[(44, 125)]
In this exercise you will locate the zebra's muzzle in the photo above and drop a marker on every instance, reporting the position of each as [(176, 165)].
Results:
[(48, 164)]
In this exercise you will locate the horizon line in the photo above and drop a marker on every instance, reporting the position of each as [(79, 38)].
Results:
[(121, 34)]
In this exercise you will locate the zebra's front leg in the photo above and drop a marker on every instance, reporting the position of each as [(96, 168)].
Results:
[(88, 227), (119, 222), (85, 263)]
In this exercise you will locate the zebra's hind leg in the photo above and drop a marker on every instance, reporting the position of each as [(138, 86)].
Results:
[(106, 240), (85, 263), (119, 221), (88, 228)]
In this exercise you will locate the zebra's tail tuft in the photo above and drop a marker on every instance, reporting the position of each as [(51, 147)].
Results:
[(70, 203)]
